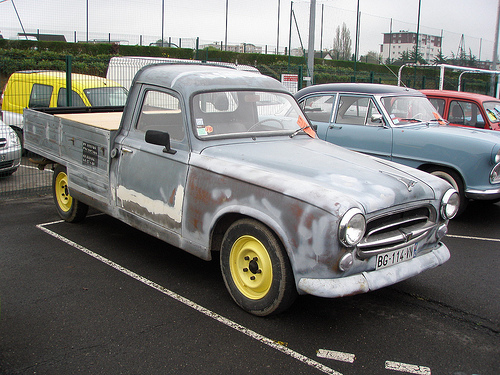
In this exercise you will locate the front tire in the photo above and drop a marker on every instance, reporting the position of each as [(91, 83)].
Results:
[(68, 208), (454, 180), (256, 269)]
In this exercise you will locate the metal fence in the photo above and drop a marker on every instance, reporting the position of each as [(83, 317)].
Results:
[(26, 181), (48, 89)]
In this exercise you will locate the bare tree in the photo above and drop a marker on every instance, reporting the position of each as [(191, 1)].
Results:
[(342, 43)]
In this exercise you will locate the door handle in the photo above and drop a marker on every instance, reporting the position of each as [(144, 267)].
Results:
[(335, 127), (127, 150)]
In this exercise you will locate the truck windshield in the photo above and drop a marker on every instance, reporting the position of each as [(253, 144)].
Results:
[(106, 96), (405, 110), (243, 113)]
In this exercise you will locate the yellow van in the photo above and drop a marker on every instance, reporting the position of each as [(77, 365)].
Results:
[(44, 88)]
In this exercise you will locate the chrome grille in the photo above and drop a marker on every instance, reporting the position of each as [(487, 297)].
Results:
[(396, 231), (6, 164)]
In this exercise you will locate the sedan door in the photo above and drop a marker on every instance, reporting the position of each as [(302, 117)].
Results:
[(359, 125)]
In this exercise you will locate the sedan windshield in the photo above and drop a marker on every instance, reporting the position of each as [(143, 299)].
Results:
[(405, 110), (243, 113), (493, 111)]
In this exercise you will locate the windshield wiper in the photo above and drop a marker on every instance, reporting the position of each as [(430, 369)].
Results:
[(301, 130), (412, 119)]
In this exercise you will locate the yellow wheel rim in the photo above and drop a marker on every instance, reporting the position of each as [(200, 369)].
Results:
[(64, 200), (251, 267)]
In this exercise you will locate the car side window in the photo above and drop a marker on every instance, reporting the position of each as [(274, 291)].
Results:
[(355, 110), (40, 96), (438, 104), (76, 100), (161, 111), (319, 108), (465, 113)]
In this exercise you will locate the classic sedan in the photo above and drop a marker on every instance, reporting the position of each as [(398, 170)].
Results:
[(10, 150), (466, 109), (401, 125)]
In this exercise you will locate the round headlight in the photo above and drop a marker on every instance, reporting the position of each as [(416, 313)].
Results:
[(496, 158), (450, 204), (352, 227)]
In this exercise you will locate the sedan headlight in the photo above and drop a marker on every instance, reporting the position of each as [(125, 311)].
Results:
[(14, 139), (450, 204), (352, 227), (496, 157)]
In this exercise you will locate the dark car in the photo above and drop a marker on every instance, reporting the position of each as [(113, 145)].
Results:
[(466, 109)]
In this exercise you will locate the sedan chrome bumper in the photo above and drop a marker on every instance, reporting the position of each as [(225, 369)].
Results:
[(483, 194), (372, 280)]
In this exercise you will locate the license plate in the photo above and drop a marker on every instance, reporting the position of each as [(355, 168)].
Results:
[(394, 257)]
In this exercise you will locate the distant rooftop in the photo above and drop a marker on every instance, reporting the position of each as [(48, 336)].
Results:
[(44, 37)]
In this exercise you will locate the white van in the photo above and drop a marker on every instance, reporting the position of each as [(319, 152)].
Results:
[(123, 69)]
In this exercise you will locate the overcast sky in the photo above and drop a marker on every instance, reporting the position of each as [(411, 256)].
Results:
[(256, 21)]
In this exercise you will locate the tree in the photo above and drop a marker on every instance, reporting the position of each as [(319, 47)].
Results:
[(463, 59), (410, 57), (417, 57), (371, 57), (342, 43), (440, 58)]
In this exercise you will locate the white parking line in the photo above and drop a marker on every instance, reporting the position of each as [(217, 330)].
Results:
[(410, 369), (252, 334), (473, 238), (337, 356)]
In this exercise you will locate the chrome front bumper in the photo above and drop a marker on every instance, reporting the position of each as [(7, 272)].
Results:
[(483, 194), (373, 280)]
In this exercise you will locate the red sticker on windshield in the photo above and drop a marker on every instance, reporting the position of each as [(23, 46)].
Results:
[(304, 125), (440, 120)]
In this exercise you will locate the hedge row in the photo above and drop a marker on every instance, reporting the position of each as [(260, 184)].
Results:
[(94, 58)]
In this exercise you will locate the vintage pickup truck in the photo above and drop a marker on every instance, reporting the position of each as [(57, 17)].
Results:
[(216, 160)]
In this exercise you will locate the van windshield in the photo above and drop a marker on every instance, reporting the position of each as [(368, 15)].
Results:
[(106, 96)]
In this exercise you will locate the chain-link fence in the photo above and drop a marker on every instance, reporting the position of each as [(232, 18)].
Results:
[(19, 174), (26, 181), (45, 85)]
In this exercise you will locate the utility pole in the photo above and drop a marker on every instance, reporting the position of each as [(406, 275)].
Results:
[(278, 31), (87, 21), (356, 43), (225, 34), (162, 20), (310, 48), (495, 54)]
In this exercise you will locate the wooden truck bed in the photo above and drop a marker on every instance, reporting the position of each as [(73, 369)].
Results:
[(105, 120)]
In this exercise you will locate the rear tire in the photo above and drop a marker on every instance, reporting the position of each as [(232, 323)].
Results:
[(256, 269), (68, 208)]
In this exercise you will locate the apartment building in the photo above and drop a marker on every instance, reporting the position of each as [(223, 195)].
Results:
[(404, 41)]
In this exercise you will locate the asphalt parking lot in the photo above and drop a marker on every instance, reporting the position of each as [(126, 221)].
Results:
[(102, 298)]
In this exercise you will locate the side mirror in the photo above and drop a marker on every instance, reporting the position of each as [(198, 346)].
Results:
[(159, 138), (377, 118)]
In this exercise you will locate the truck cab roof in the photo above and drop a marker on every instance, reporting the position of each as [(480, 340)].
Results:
[(191, 78)]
